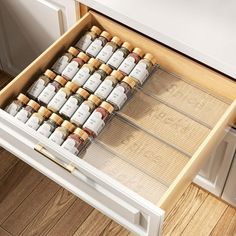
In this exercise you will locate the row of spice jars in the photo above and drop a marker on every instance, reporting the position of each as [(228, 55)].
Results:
[(110, 52)]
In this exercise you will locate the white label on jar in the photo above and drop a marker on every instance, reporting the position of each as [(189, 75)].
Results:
[(69, 107), (127, 65), (45, 130), (94, 47), (116, 59), (84, 42), (81, 114), (81, 76), (105, 53), (22, 115), (60, 64), (140, 72), (70, 70), (117, 96), (58, 100), (104, 89), (57, 137), (36, 88), (70, 145), (33, 122), (12, 109), (93, 82), (95, 122), (47, 94)]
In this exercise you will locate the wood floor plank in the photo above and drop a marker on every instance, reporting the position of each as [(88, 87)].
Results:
[(227, 224), (72, 219), (30, 207), (7, 161), (3, 232), (205, 219), (15, 186), (50, 214), (114, 229), (184, 210), (93, 225)]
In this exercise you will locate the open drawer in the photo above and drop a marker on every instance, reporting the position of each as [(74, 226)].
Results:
[(150, 151)]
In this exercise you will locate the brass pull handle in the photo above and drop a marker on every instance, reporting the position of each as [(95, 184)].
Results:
[(39, 148)]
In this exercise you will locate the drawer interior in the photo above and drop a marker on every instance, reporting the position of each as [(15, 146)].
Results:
[(157, 143)]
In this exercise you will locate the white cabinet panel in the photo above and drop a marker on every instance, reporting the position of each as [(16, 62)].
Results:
[(229, 194), (28, 27), (214, 173)]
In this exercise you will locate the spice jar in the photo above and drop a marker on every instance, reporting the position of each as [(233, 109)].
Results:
[(73, 67), (130, 61), (60, 133), (121, 92), (50, 125), (85, 110), (119, 55), (97, 77), (64, 60), (75, 141), (109, 49), (61, 96), (143, 69), (96, 46), (86, 71), (38, 118), (88, 38), (17, 104), (98, 119), (108, 84), (51, 89), (25, 113), (73, 103), (38, 86)]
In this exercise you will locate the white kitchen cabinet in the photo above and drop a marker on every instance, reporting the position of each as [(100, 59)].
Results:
[(229, 194), (213, 175), (28, 27)]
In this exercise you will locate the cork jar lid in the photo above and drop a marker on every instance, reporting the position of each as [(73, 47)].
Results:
[(72, 86), (106, 68), (68, 125), (62, 81), (128, 46), (33, 104), (81, 133), (107, 106), (24, 99), (95, 99), (117, 74), (138, 51), (131, 82), (44, 112), (50, 74), (58, 120), (84, 93), (106, 35), (83, 56), (94, 62), (150, 57), (95, 30), (73, 51), (116, 40)]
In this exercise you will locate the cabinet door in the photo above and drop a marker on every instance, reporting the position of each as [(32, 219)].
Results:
[(213, 175), (29, 27), (229, 194)]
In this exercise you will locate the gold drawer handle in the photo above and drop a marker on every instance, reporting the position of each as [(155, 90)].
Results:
[(39, 148)]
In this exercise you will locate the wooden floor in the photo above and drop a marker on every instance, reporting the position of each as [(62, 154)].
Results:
[(31, 204)]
